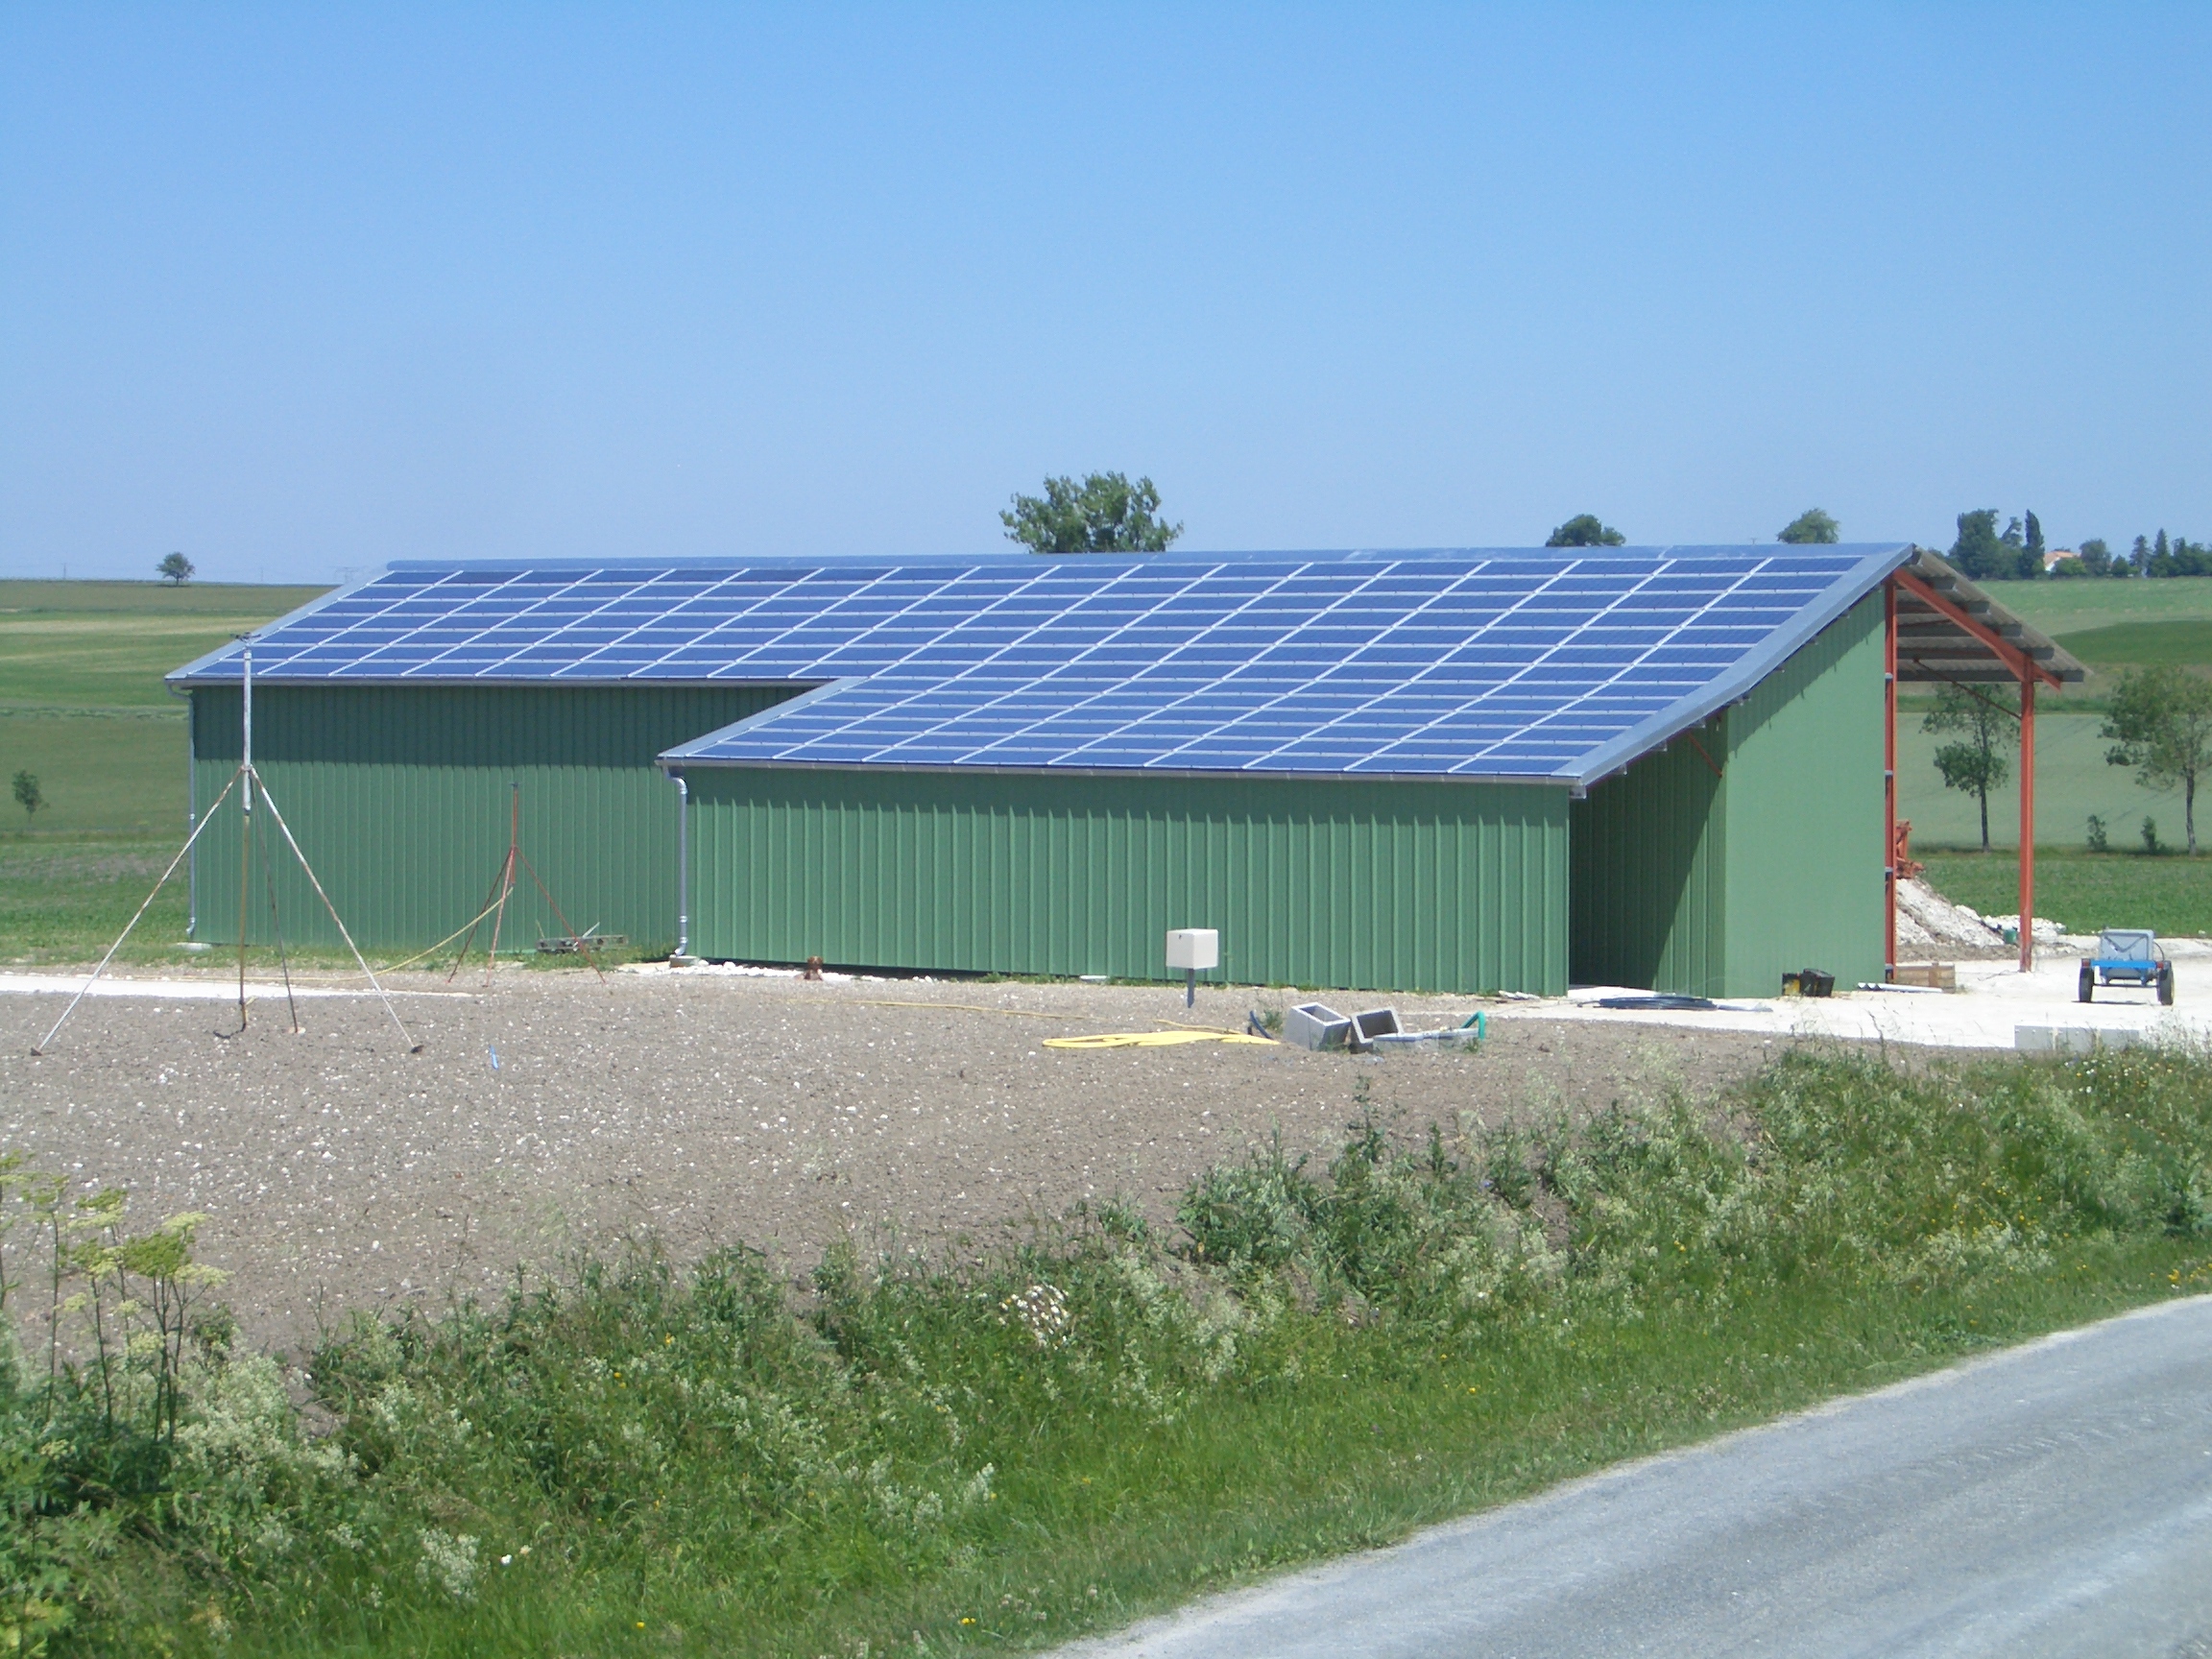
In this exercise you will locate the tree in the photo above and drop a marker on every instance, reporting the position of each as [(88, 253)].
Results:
[(1811, 528), (1980, 553), (2033, 550), (2096, 558), (27, 793), (1977, 763), (176, 569), (1104, 513), (1583, 530), (2160, 723)]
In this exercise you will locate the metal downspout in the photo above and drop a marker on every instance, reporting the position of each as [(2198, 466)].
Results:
[(1890, 872), (682, 867), (192, 815)]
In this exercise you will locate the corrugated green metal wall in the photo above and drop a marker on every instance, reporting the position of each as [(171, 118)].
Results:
[(1381, 885), (399, 796), (1805, 815), (1685, 880), (1649, 872)]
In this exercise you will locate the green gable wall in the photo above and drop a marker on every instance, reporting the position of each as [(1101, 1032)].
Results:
[(1805, 814), (399, 797), (1328, 882), (1649, 871), (1715, 883)]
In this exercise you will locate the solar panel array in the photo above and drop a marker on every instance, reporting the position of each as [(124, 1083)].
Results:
[(1503, 664)]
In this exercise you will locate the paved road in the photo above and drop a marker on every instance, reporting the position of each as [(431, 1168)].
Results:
[(2052, 1500)]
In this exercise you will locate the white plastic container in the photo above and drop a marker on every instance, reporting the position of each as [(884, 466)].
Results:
[(1193, 949)]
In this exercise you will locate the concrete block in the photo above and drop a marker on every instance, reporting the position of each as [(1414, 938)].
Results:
[(1374, 1022), (1316, 1025), (2068, 1039)]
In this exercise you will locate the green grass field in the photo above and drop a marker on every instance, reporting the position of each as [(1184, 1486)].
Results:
[(2072, 781), (2186, 643), (82, 703), (2059, 607), (2084, 892)]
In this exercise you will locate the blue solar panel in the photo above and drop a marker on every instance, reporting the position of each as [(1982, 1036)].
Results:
[(1547, 664)]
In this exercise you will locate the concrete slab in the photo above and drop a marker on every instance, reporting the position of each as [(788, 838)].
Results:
[(1993, 1001)]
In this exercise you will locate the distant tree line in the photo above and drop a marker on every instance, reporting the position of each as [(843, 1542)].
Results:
[(2017, 553)]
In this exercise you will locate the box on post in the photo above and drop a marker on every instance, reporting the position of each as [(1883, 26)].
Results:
[(1193, 949)]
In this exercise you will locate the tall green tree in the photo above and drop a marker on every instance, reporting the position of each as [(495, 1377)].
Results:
[(1980, 553), (1104, 513), (2160, 724), (176, 569), (1811, 528), (1585, 530), (2096, 557), (1978, 762), (2033, 549)]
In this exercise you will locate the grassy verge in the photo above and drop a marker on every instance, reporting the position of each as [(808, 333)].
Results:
[(2084, 892), (64, 898), (652, 1459)]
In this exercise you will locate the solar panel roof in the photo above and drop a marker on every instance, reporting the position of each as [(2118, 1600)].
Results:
[(1532, 664)]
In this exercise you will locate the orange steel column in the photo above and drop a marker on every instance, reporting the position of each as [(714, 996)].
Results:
[(1889, 779), (2027, 825)]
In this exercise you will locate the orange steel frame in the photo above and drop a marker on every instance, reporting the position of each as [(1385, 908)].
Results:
[(2029, 673)]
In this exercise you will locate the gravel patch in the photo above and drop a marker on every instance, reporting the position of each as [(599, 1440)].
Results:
[(338, 1171)]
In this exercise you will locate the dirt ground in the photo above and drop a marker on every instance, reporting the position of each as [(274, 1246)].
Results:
[(338, 1171)]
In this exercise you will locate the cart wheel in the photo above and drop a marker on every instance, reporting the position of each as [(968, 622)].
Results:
[(2166, 984), (2088, 987)]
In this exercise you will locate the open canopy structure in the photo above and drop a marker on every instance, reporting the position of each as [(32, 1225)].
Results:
[(1945, 630)]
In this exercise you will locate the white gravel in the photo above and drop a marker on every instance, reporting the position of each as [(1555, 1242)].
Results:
[(338, 1171)]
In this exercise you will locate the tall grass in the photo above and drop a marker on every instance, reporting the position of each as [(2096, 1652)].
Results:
[(656, 1458)]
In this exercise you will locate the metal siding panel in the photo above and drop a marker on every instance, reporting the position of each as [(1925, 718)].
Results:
[(1645, 847), (1332, 884), (1805, 813), (399, 797)]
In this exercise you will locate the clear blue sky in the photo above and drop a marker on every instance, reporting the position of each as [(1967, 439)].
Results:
[(297, 289)]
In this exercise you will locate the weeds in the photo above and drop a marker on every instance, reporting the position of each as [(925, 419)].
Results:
[(650, 1457)]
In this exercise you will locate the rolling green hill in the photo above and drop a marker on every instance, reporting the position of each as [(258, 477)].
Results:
[(82, 703)]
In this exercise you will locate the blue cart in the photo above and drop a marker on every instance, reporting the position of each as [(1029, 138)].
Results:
[(2129, 956)]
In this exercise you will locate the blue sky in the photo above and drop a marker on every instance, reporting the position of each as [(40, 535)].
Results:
[(298, 289)]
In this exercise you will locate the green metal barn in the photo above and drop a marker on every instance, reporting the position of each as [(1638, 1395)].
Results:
[(1453, 771)]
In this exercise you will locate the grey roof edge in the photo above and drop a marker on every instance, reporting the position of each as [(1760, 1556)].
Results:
[(195, 672), (1171, 555), (480, 682), (1779, 648), (671, 763), (686, 756), (688, 753), (2043, 649)]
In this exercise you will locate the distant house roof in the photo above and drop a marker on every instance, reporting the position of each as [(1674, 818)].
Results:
[(1540, 665)]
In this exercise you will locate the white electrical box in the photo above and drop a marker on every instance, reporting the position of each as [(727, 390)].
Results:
[(1193, 947)]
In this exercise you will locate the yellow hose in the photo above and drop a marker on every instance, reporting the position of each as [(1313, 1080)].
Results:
[(1153, 1040)]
